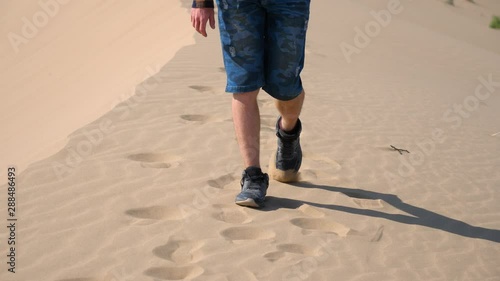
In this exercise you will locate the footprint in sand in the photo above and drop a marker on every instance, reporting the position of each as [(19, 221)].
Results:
[(370, 233), (292, 248), (297, 249), (363, 201), (195, 117), (175, 272), (157, 213), (321, 224), (274, 256), (247, 233), (368, 203), (231, 214), (221, 181), (202, 89), (311, 211), (155, 160), (180, 252), (199, 119)]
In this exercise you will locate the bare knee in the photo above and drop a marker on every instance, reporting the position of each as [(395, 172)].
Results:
[(291, 109)]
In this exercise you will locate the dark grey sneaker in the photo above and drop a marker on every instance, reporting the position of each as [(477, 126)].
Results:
[(254, 186), (289, 154)]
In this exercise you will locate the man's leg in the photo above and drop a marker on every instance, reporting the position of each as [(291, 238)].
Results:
[(242, 29), (246, 118), (286, 28), (286, 161), (290, 111)]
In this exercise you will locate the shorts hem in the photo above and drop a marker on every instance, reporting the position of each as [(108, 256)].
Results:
[(284, 97), (242, 89)]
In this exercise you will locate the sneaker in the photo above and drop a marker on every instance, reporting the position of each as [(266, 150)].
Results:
[(289, 154), (254, 185)]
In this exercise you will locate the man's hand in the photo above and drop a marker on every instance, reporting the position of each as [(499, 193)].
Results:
[(199, 18)]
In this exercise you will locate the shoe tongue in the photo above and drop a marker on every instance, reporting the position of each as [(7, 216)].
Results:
[(253, 171)]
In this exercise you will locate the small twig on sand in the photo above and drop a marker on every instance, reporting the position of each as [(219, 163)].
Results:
[(400, 150)]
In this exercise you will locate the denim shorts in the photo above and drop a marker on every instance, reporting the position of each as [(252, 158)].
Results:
[(263, 44)]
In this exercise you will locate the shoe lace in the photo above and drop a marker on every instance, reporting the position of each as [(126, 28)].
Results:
[(256, 180)]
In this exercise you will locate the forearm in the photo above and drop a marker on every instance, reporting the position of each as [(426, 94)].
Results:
[(203, 3)]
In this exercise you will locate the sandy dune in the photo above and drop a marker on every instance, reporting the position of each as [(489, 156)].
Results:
[(87, 57), (145, 191)]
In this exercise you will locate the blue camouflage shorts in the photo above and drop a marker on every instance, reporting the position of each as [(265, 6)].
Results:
[(263, 44)]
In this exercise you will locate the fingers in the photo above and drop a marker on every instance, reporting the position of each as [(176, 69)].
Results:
[(199, 21), (203, 27), (197, 24), (212, 21)]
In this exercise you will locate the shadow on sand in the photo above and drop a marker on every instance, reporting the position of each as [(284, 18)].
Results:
[(417, 216)]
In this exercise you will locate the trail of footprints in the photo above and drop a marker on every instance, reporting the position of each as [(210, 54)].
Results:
[(184, 255)]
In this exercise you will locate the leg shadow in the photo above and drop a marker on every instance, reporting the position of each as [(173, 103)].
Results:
[(416, 215)]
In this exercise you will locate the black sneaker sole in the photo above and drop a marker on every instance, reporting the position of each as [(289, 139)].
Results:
[(249, 202)]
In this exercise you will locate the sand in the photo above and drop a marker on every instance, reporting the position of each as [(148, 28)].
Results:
[(87, 57), (144, 189)]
